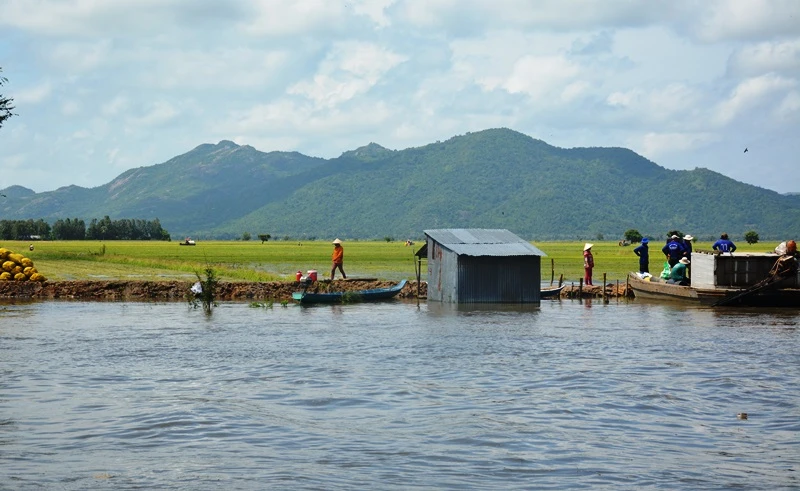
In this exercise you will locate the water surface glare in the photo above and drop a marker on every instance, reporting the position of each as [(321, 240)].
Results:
[(573, 395)]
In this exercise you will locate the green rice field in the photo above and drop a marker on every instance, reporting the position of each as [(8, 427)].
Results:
[(280, 260)]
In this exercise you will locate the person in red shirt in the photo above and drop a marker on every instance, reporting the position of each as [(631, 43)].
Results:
[(588, 264), (338, 258)]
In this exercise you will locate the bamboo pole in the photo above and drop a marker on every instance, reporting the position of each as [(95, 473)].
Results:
[(552, 270), (580, 289), (605, 296)]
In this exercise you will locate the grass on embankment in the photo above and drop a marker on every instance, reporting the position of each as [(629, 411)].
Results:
[(278, 261)]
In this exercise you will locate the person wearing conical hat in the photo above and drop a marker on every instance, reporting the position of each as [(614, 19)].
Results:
[(588, 263), (687, 244), (678, 272), (338, 259)]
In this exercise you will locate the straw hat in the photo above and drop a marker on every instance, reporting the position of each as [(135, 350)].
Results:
[(674, 237), (688, 237), (336, 241), (587, 246), (684, 260)]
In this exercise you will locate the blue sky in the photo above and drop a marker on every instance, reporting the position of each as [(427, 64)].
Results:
[(103, 86)]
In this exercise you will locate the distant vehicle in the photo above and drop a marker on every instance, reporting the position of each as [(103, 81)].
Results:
[(188, 241)]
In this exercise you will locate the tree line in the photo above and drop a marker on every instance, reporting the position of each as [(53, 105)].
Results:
[(76, 229)]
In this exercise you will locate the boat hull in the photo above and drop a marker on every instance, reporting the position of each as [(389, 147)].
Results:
[(657, 289), (551, 292), (349, 297)]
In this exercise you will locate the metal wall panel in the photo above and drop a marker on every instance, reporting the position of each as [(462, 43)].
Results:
[(499, 280)]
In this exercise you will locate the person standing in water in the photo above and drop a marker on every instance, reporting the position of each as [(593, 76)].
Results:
[(338, 259)]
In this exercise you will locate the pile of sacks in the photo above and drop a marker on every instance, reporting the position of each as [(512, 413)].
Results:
[(17, 267)]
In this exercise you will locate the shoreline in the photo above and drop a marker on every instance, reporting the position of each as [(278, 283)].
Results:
[(278, 291), (127, 290)]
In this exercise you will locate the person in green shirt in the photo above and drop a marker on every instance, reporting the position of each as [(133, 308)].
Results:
[(678, 273)]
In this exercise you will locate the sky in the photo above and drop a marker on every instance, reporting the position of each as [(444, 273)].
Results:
[(103, 86)]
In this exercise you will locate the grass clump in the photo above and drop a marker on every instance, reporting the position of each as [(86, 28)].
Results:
[(203, 293)]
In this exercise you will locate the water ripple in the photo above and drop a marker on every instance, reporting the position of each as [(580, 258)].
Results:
[(396, 396)]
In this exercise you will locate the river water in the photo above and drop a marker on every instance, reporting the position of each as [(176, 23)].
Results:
[(396, 395)]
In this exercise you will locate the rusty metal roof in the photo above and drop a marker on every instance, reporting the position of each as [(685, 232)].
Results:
[(483, 242)]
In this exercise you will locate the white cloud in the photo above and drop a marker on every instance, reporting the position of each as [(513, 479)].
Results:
[(119, 104), (541, 77), (789, 108), (749, 94), (275, 18), (720, 20), (158, 113), (654, 145), (212, 68), (33, 94), (781, 57), (74, 57), (349, 70), (70, 108)]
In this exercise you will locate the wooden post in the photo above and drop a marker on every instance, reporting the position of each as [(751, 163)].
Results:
[(552, 270), (560, 280), (580, 289), (605, 296), (627, 287), (616, 292)]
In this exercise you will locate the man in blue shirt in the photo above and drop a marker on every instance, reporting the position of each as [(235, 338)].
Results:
[(644, 256), (724, 245), (673, 250)]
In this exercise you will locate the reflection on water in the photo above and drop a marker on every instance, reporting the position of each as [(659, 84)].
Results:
[(398, 395)]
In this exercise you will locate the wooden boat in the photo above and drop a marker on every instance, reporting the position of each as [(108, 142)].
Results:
[(655, 288), (747, 280), (305, 297), (551, 292)]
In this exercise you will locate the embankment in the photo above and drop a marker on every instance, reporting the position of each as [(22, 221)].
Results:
[(178, 290)]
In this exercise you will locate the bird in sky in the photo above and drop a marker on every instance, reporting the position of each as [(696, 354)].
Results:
[(745, 150)]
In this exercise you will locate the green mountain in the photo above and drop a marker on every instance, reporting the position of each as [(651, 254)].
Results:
[(496, 178)]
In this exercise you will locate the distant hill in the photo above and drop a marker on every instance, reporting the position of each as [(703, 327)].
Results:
[(496, 178)]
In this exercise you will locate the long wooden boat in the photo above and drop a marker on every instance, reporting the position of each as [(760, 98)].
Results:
[(657, 289), (305, 297)]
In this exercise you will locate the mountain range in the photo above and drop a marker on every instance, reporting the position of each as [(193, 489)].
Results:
[(496, 178)]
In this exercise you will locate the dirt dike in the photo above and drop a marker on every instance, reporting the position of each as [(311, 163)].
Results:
[(179, 290)]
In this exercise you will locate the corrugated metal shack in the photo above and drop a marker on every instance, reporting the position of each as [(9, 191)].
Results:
[(482, 266)]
